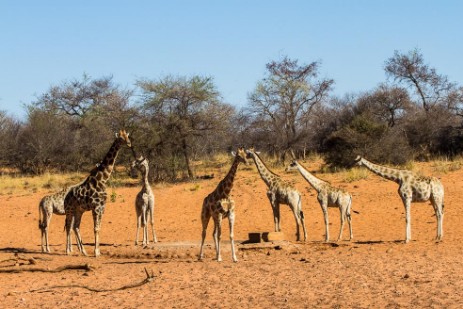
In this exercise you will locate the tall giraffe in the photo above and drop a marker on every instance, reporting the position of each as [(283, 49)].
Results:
[(412, 188), (280, 192), (219, 205), (144, 202), (328, 196), (91, 195)]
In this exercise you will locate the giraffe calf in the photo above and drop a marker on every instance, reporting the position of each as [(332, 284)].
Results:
[(49, 205), (144, 202)]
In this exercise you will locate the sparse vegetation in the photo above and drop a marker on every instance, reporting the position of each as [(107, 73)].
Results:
[(354, 174), (185, 128)]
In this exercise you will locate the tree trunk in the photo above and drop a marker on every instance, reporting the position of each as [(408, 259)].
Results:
[(186, 155)]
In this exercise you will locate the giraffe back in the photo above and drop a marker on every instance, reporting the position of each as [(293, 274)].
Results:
[(54, 203)]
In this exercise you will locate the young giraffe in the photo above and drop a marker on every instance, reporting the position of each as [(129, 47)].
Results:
[(49, 205), (219, 205), (144, 202), (91, 195), (280, 192), (328, 196), (412, 188)]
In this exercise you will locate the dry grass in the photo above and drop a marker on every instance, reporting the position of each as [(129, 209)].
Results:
[(27, 184), (14, 185), (11, 184), (354, 174)]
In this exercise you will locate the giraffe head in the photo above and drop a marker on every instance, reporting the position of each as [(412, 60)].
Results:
[(123, 138), (292, 166), (141, 163), (250, 153), (240, 155), (358, 161)]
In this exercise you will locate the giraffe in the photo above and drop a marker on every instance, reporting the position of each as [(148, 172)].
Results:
[(328, 196), (412, 188), (219, 205), (90, 195), (144, 202), (279, 192), (49, 205)]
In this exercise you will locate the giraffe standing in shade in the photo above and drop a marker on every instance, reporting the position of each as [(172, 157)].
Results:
[(49, 205), (280, 192), (144, 202), (90, 195), (328, 196), (219, 205), (412, 188)]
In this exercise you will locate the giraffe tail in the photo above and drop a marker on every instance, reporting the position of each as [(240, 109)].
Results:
[(299, 205), (40, 215)]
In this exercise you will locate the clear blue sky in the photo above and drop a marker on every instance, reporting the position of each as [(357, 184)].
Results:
[(46, 42)]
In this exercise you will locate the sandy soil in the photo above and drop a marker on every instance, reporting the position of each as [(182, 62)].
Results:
[(375, 270)]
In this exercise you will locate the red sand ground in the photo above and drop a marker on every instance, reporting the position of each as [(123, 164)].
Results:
[(375, 270)]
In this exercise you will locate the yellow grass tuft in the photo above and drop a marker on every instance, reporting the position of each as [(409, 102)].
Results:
[(354, 174)]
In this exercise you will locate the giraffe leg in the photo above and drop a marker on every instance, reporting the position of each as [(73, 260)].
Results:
[(218, 236), (145, 227), (205, 218), (151, 216), (231, 222), (297, 217), (48, 220), (275, 209), (343, 216), (438, 205), (349, 218), (97, 215), (296, 207), (324, 206), (68, 225), (408, 229), (80, 244), (138, 228)]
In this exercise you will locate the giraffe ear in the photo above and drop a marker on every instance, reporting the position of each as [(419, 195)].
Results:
[(233, 153)]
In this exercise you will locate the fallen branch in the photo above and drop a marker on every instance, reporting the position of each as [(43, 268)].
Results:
[(148, 279), (46, 270)]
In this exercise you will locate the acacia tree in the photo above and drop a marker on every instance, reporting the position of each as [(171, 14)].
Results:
[(9, 130), (92, 109), (283, 101), (185, 111), (387, 104), (431, 88)]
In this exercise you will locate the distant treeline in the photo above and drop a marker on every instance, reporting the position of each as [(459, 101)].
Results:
[(415, 113)]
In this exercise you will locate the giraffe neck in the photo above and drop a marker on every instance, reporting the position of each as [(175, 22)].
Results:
[(385, 172), (107, 164), (146, 183), (225, 186), (266, 174), (311, 179)]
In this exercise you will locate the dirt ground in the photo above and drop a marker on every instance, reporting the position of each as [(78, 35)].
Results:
[(375, 270)]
